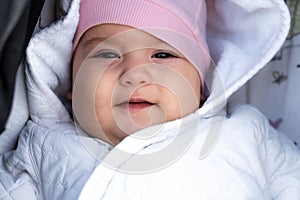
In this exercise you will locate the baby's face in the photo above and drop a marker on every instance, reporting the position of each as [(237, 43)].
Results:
[(130, 80)]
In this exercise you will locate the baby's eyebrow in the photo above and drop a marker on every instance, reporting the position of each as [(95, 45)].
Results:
[(93, 40)]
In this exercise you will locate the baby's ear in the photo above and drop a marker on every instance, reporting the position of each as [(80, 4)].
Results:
[(69, 95)]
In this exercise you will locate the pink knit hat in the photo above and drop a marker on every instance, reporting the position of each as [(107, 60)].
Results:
[(180, 23)]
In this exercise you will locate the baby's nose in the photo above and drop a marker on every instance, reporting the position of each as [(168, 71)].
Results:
[(136, 69), (136, 76)]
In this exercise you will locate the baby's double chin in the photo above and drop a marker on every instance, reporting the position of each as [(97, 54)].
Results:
[(136, 114), (136, 117)]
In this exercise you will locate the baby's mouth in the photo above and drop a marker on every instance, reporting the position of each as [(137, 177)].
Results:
[(135, 104)]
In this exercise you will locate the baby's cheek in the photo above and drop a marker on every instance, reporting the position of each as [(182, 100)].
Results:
[(171, 105)]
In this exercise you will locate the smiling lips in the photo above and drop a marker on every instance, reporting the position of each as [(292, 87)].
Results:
[(135, 104)]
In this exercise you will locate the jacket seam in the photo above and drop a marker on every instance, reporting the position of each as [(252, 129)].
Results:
[(33, 161)]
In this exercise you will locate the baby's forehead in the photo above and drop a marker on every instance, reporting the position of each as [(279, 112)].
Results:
[(124, 37)]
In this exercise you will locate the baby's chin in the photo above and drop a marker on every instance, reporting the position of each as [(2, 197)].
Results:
[(128, 123), (133, 121)]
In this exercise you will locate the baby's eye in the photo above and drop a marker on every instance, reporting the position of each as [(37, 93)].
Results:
[(163, 55), (107, 55)]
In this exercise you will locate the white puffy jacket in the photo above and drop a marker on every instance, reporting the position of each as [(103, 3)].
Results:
[(221, 151)]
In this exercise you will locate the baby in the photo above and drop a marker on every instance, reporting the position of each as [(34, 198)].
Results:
[(149, 106), (136, 79)]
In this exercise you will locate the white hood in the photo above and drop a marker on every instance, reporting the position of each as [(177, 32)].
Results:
[(243, 36)]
